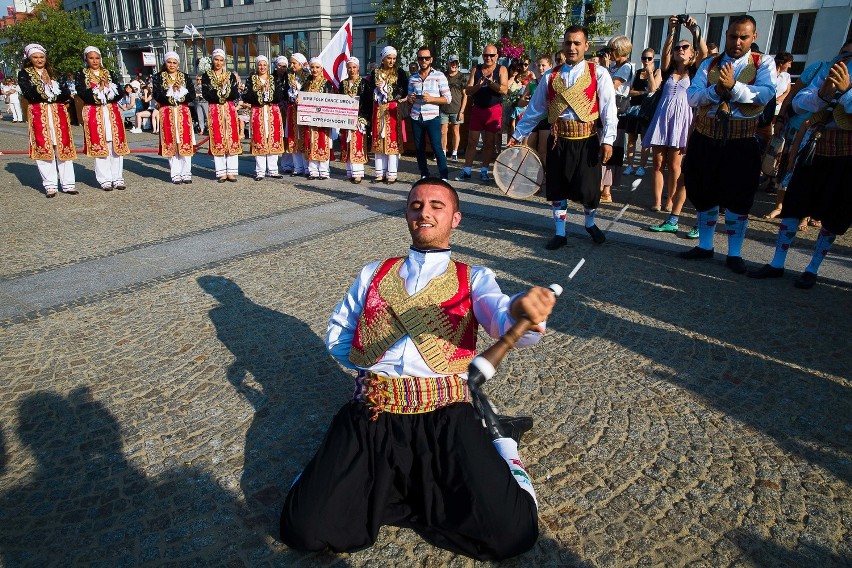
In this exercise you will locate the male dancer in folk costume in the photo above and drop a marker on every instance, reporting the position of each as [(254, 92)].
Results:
[(263, 92), (51, 139), (293, 160), (173, 91), (820, 187), (353, 143), (317, 141), (722, 163), (572, 96), (103, 125), (389, 87), (220, 89), (409, 449)]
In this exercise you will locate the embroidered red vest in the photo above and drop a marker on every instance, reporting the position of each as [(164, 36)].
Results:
[(439, 318), (582, 96)]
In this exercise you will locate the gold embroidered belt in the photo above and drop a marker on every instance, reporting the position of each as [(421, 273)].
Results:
[(408, 395), (573, 129), (834, 143), (737, 127)]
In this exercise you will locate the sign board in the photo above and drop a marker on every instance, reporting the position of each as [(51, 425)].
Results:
[(149, 59), (326, 110)]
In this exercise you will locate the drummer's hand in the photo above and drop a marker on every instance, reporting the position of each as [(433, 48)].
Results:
[(512, 142), (606, 153)]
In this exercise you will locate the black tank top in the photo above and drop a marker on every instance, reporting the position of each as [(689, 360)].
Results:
[(638, 85), (486, 97)]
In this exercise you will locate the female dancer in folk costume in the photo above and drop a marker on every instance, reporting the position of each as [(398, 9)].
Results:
[(267, 130), (103, 125), (221, 89), (173, 92), (353, 143), (293, 161), (317, 141), (51, 140), (389, 86)]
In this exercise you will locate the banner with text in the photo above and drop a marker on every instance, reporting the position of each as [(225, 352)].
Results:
[(326, 110)]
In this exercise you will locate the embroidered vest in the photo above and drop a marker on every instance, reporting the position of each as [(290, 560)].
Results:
[(746, 76), (840, 116), (582, 96), (439, 318)]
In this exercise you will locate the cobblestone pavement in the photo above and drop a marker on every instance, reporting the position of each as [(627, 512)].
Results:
[(159, 419)]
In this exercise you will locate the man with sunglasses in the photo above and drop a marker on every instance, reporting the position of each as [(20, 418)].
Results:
[(486, 86), (427, 89)]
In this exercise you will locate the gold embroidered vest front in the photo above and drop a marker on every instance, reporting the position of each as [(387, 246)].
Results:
[(746, 76), (574, 96)]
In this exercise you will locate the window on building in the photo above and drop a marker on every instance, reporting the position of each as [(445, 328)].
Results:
[(792, 32), (227, 3), (229, 53), (804, 31), (247, 2), (187, 5), (108, 20), (370, 45), (205, 4), (143, 13), (131, 16), (780, 32), (274, 46), (155, 13), (655, 33), (716, 28), (241, 55)]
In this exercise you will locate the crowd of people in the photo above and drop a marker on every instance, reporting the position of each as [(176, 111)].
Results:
[(699, 109)]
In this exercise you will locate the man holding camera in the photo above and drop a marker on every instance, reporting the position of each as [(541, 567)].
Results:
[(427, 89), (486, 86), (722, 164)]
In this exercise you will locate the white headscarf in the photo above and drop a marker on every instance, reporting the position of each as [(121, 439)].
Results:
[(260, 58), (388, 50), (171, 55), (219, 52), (90, 49), (353, 60), (315, 60), (300, 58), (280, 60), (34, 48)]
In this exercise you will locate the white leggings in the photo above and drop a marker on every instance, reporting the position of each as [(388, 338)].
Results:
[(226, 165), (109, 170), (392, 161), (181, 167), (49, 178), (266, 165), (354, 170), (318, 168)]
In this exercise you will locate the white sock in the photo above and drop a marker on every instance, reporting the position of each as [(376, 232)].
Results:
[(508, 450)]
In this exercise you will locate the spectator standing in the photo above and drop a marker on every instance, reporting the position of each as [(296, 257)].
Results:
[(48, 114), (668, 131), (645, 82), (427, 89), (103, 127), (202, 108), (452, 113), (622, 72), (487, 86), (521, 85), (12, 92), (538, 137)]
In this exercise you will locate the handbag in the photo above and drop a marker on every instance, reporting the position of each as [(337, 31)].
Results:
[(622, 103)]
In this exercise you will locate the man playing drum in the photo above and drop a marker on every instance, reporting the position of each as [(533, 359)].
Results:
[(571, 96)]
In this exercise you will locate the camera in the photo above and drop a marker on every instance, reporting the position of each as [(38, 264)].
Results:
[(682, 19), (603, 52)]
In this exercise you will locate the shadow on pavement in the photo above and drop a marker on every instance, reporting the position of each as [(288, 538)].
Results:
[(761, 551), (283, 370), (86, 505)]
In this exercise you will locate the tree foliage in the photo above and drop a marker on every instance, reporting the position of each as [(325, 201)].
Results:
[(540, 24), (446, 27), (61, 33)]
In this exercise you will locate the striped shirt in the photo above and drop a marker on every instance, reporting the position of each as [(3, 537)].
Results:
[(434, 84)]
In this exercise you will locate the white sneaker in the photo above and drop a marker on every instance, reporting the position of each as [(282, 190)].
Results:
[(136, 130), (640, 171), (628, 171)]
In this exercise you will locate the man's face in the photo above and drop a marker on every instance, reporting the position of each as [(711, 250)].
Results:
[(574, 47), (454, 66), (739, 39), (543, 66), (431, 216), (424, 59), (489, 56)]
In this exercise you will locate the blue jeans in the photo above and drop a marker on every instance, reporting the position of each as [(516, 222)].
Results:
[(433, 129)]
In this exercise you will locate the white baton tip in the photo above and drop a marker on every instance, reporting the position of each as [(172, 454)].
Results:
[(635, 184), (577, 268), (556, 289)]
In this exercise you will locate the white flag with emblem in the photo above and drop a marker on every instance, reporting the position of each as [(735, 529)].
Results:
[(337, 53)]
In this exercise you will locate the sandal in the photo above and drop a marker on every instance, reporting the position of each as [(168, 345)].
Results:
[(773, 214), (803, 224), (815, 223), (606, 198)]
